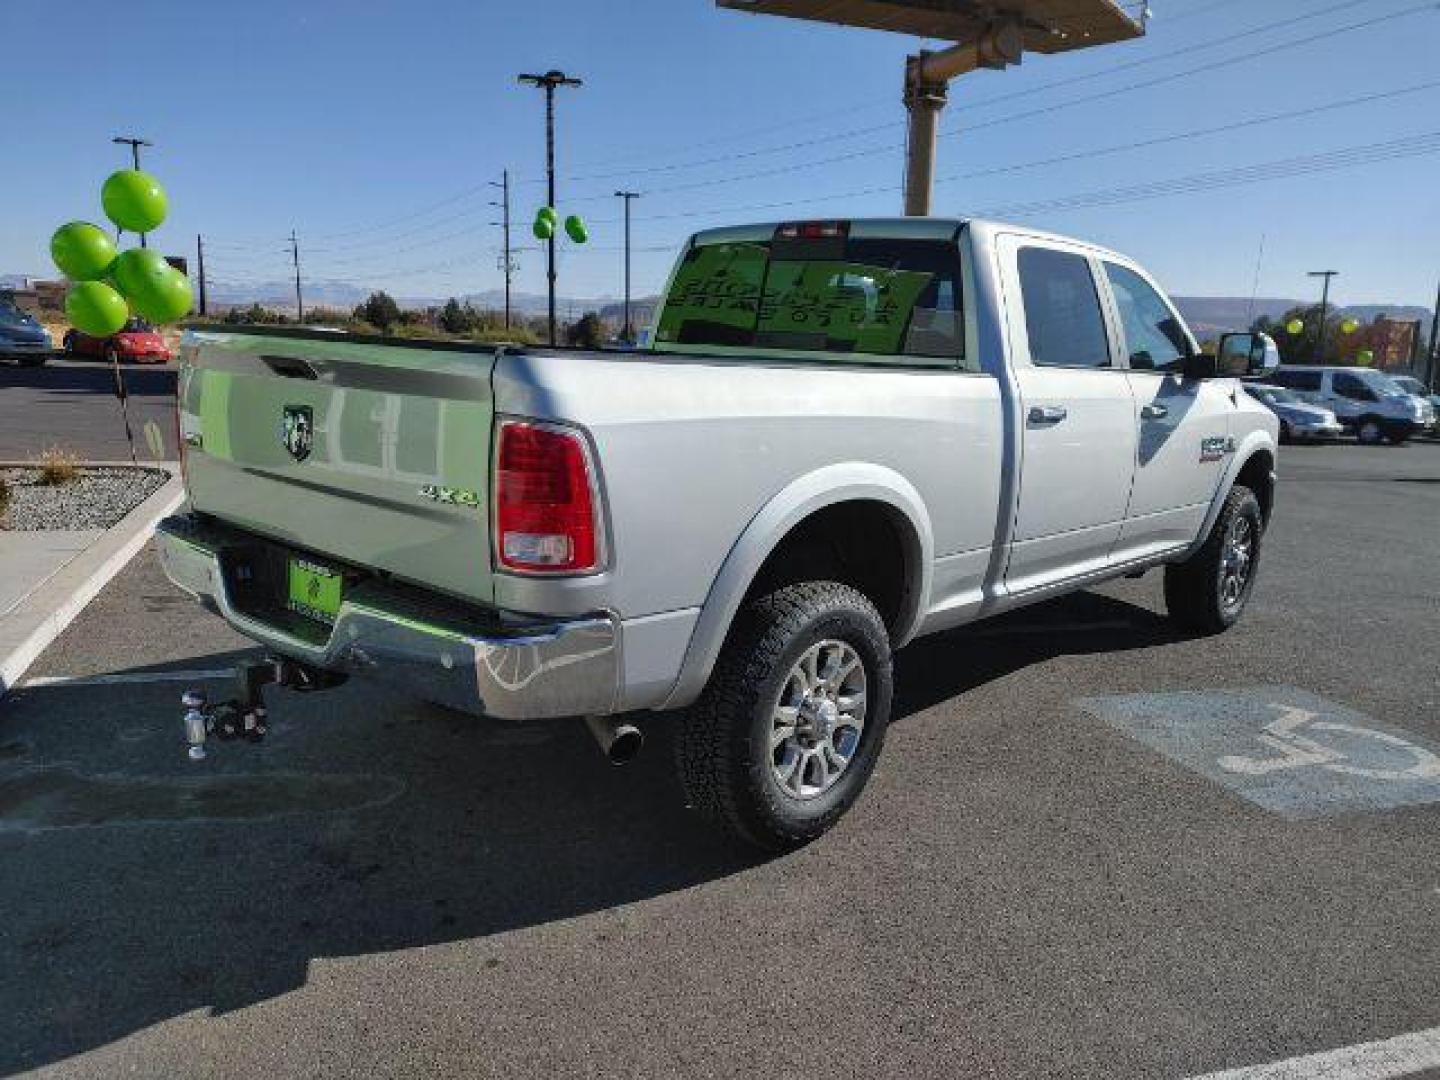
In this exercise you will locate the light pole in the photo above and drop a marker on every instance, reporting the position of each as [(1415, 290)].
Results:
[(299, 300), (627, 332), (1324, 303), (549, 81), (134, 144)]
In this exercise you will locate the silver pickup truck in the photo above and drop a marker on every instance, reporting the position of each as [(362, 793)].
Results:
[(842, 435)]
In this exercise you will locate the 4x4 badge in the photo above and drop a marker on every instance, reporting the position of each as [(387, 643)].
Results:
[(297, 430)]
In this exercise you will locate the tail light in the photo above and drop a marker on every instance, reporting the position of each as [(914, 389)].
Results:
[(545, 501)]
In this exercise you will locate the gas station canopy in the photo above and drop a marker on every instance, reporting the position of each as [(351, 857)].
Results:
[(1047, 26)]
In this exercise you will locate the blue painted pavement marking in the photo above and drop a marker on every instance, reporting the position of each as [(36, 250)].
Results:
[(1282, 748)]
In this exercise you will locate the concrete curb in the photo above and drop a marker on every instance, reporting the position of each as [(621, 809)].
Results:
[(44, 614)]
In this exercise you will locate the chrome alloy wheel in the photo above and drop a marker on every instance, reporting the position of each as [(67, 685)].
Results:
[(1237, 561), (817, 719)]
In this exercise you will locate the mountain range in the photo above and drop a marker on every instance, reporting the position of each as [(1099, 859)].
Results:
[(1207, 315)]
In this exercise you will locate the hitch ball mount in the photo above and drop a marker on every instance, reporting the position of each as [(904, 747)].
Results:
[(245, 716)]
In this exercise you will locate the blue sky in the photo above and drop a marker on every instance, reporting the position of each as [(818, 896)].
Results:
[(372, 128)]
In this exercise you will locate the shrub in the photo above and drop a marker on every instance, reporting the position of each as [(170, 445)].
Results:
[(4, 496), (58, 467)]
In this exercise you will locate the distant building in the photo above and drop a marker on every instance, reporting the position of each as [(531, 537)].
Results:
[(34, 295), (1394, 342)]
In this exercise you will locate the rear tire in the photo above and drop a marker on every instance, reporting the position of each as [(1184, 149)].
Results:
[(1368, 431), (1208, 591), (738, 765)]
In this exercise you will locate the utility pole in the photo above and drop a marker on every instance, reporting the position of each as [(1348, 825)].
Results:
[(1432, 355), (508, 265), (134, 145), (549, 81), (295, 256), (1324, 304), (200, 264), (627, 332)]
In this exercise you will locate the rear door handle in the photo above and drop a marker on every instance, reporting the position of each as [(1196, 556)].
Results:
[(1047, 414), (1154, 412)]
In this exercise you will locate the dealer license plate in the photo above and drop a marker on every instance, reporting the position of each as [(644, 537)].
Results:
[(314, 590)]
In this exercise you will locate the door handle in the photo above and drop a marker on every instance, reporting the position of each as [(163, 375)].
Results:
[(1154, 412), (1047, 414)]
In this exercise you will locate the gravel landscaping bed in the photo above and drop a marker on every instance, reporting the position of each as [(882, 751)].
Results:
[(97, 500)]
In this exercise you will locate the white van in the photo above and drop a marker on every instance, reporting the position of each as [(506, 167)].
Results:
[(1364, 400)]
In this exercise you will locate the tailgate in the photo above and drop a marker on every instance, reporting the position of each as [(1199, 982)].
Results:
[(372, 454)]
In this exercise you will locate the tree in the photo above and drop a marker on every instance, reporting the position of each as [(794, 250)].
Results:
[(380, 311), (1300, 348), (586, 333), (455, 319), (254, 315)]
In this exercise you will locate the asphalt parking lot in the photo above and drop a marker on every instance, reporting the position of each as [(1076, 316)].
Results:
[(71, 403), (1093, 848)]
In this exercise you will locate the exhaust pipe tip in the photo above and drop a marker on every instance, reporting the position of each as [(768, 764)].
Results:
[(619, 741)]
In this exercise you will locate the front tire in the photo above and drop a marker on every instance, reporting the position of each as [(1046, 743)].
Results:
[(1208, 591), (789, 728)]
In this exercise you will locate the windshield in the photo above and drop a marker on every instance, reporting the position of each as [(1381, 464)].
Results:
[(1273, 395), (875, 299), (1383, 385), (137, 326)]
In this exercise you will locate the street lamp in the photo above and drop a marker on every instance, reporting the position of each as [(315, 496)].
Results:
[(549, 81)]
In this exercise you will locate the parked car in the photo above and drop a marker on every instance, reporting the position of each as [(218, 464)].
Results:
[(138, 341), (1364, 400), (22, 338), (1416, 388), (844, 435), (1298, 421)]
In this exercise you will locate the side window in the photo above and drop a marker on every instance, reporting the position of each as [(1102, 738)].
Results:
[(1348, 386), (1308, 381), (1062, 310), (1153, 336)]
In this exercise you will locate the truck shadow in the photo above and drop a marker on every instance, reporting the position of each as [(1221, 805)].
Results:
[(935, 669), (138, 887), (85, 377)]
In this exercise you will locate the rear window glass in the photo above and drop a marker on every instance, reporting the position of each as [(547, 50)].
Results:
[(1297, 380), (871, 298)]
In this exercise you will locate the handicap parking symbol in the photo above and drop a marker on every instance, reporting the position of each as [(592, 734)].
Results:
[(1282, 748)]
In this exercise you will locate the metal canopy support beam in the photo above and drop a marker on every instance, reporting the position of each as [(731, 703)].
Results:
[(927, 78), (990, 33)]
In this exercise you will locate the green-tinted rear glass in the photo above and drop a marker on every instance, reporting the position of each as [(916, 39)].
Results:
[(875, 298)]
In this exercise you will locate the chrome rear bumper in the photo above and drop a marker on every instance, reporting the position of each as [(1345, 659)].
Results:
[(567, 668)]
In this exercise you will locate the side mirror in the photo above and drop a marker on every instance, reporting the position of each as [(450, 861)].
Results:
[(1199, 366), (1246, 354)]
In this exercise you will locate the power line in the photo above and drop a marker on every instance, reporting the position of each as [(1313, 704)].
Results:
[(855, 133), (982, 103), (815, 163)]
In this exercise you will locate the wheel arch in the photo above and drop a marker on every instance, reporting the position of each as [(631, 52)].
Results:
[(784, 518), (1253, 465)]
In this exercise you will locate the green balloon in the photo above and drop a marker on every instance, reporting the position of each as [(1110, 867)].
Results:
[(1349, 326), (82, 251), (1365, 357), (549, 214), (154, 288), (1295, 326), (96, 309), (134, 200), (543, 228), (576, 230)]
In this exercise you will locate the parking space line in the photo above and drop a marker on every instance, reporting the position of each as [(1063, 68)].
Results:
[(1404, 1055), (127, 677)]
